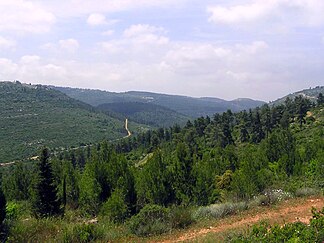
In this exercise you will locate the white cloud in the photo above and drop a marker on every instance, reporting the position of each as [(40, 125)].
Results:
[(291, 12), (240, 13), (252, 48), (146, 34), (70, 45), (111, 47), (140, 43), (8, 69), (7, 43), (30, 59), (48, 46), (108, 33), (84, 7), (193, 59), (24, 16), (142, 29), (96, 19)]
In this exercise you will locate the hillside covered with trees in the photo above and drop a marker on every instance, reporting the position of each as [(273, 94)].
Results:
[(32, 116), (145, 113), (188, 106), (169, 178)]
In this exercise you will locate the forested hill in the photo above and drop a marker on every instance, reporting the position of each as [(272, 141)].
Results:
[(35, 116), (311, 94), (145, 113), (189, 106), (167, 179)]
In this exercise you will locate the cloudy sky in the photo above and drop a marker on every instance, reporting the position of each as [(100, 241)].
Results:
[(261, 49)]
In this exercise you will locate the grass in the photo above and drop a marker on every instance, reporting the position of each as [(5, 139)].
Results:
[(235, 213), (144, 160), (176, 222)]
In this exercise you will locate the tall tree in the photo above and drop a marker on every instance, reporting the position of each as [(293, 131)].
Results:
[(320, 99), (257, 132), (302, 105), (2, 206), (45, 202)]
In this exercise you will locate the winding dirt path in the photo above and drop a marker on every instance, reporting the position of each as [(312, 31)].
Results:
[(287, 212), (128, 131)]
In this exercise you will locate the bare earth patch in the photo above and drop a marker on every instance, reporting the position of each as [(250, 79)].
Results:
[(286, 212)]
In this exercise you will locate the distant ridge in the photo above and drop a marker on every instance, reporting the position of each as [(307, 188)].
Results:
[(188, 106), (311, 93)]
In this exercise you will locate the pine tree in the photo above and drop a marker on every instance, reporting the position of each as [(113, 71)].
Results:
[(320, 99), (302, 105), (257, 132), (45, 202), (2, 207)]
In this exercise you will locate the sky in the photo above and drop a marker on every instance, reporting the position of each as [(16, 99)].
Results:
[(260, 49)]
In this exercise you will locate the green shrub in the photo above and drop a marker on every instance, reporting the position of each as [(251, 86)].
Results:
[(181, 217), (217, 211), (151, 220), (82, 233), (115, 208), (261, 200), (34, 230), (12, 210), (277, 195), (306, 191), (292, 232)]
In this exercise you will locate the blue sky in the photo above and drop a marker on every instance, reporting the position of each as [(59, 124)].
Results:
[(227, 49)]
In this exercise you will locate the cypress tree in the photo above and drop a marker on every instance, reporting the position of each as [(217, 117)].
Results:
[(45, 202), (320, 99), (2, 207)]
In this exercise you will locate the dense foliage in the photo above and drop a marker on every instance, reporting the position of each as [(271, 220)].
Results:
[(189, 106), (229, 157), (44, 194), (34, 116), (145, 113), (293, 232)]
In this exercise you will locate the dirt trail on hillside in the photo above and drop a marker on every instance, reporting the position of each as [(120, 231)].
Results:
[(287, 212), (126, 127)]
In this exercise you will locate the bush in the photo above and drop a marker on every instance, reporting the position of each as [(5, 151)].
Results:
[(217, 211), (151, 220), (33, 230), (293, 232), (12, 210), (82, 233), (276, 195), (306, 191), (181, 217), (115, 208)]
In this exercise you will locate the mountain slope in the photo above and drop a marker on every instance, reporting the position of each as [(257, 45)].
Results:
[(36, 116), (311, 93), (189, 106), (145, 113)]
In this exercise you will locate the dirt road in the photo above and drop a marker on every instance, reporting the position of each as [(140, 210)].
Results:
[(126, 127), (289, 211)]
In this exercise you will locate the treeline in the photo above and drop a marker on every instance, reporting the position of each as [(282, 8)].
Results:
[(231, 156)]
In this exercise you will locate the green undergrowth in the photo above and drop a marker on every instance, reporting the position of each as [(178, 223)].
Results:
[(291, 232), (151, 221)]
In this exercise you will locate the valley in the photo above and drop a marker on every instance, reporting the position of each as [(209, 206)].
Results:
[(114, 175)]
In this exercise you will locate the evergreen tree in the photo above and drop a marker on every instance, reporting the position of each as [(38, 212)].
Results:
[(266, 118), (320, 99), (257, 132), (45, 202), (302, 105), (2, 206)]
